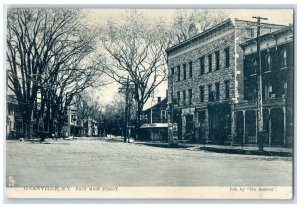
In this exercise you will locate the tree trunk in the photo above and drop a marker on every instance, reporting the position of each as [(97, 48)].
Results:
[(27, 123), (138, 120)]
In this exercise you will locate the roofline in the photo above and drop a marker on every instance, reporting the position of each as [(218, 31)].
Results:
[(252, 41), (264, 23), (199, 35), (229, 20), (155, 104)]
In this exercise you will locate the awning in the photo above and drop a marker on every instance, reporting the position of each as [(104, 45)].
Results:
[(155, 125)]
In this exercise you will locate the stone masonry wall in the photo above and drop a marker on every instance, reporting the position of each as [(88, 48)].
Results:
[(226, 37)]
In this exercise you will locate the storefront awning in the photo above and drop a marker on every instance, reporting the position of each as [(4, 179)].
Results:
[(155, 125)]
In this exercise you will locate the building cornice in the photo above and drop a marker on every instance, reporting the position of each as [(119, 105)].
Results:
[(268, 36), (196, 38)]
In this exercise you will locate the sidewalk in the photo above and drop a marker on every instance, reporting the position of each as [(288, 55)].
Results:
[(228, 149), (249, 150)]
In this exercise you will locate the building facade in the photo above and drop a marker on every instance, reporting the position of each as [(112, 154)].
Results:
[(91, 127), (206, 80), (14, 124), (277, 64), (155, 122)]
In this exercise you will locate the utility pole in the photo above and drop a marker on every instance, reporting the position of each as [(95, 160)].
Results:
[(128, 90), (172, 106), (126, 136), (260, 135), (172, 139)]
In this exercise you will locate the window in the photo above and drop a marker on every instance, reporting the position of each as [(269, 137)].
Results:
[(190, 96), (284, 88), (184, 71), (217, 57), (210, 95), (172, 71), (217, 87), (283, 58), (250, 32), (254, 66), (201, 116), (209, 62), (73, 119), (227, 93), (178, 69), (191, 69), (202, 94), (227, 57), (178, 98), (202, 65), (268, 62), (268, 91), (184, 97), (163, 115)]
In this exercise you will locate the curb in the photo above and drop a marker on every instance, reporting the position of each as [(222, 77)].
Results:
[(247, 152)]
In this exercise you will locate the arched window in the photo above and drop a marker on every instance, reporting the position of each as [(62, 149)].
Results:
[(283, 58), (268, 62), (254, 66)]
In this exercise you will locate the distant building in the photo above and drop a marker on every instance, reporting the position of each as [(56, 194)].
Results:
[(90, 127), (14, 127), (206, 80), (277, 61), (73, 125), (155, 122), (76, 125)]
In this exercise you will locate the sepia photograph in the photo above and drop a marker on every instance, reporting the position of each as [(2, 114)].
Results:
[(149, 103)]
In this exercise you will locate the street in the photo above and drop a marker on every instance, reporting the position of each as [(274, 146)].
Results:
[(99, 162)]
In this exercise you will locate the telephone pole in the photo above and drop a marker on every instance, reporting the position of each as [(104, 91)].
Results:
[(260, 135), (126, 90)]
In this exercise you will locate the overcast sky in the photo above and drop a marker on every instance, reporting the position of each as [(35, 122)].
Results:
[(98, 17), (278, 16)]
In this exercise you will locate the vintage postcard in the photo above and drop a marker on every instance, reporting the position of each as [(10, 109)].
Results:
[(149, 103)]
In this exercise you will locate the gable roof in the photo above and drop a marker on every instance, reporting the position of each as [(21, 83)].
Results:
[(155, 105)]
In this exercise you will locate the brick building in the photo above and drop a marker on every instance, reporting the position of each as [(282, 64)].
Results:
[(206, 80), (277, 62)]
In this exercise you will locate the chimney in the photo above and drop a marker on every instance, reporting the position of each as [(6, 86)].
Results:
[(158, 99)]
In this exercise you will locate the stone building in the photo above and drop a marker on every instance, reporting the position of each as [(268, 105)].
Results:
[(277, 63), (206, 80)]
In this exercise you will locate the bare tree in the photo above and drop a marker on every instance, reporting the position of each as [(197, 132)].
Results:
[(88, 109), (114, 116), (190, 22), (136, 49), (47, 55)]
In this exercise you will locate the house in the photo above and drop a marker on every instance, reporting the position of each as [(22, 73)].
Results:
[(206, 80), (155, 122), (14, 127), (277, 64), (74, 126), (90, 127)]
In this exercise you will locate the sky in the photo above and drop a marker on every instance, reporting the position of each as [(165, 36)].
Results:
[(278, 16), (99, 17)]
